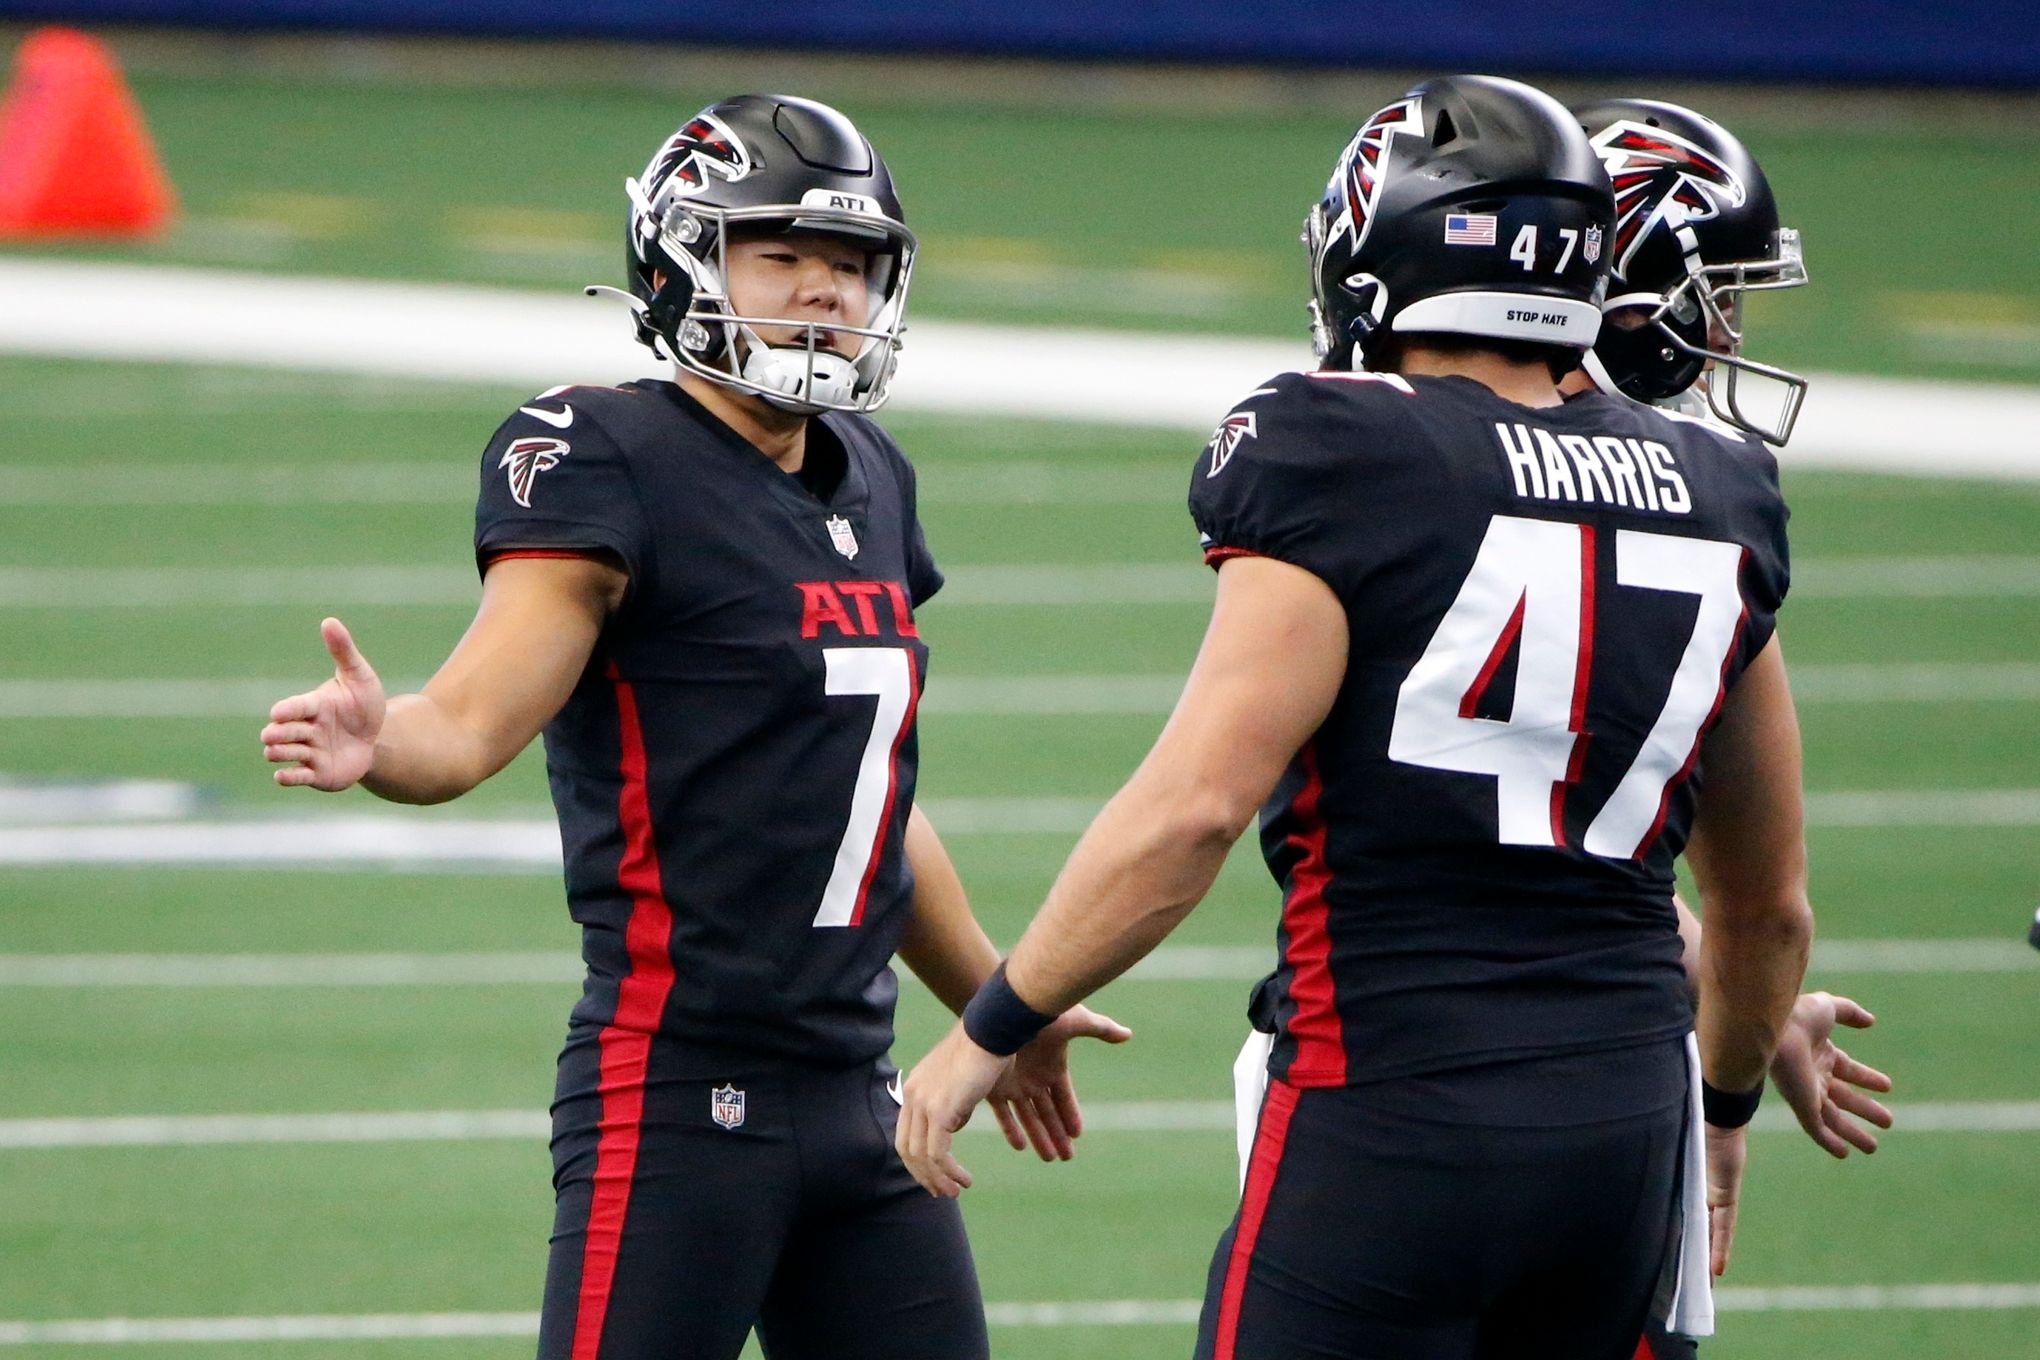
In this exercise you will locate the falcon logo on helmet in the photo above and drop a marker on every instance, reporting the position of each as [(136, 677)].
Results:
[(702, 148), (1362, 164), (525, 459), (1661, 178), (1696, 229)]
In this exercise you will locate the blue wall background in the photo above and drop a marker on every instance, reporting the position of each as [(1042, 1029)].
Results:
[(1964, 42)]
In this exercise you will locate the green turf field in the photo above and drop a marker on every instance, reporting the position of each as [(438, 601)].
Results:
[(212, 484), (297, 1229)]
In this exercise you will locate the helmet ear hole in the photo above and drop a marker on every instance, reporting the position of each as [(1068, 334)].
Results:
[(1655, 361), (1445, 132)]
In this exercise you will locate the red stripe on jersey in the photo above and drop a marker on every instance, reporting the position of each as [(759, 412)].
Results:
[(1262, 1165), (1714, 711), (1643, 1350), (892, 788), (627, 1039), (1214, 556), (561, 553), (1470, 700), (1319, 1033), (1583, 670)]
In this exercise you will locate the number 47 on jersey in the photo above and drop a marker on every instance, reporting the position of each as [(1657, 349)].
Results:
[(1532, 585)]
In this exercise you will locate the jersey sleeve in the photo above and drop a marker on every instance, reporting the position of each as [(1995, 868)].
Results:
[(924, 578), (1269, 479), (547, 488), (1767, 566)]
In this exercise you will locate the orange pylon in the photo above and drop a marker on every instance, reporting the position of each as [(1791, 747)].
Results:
[(75, 157)]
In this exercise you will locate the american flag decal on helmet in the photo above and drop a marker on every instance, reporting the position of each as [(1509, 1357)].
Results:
[(1660, 178), (702, 148), (525, 459), (1361, 169)]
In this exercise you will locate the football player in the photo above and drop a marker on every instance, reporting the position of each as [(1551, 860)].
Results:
[(703, 592), (1468, 644), (1696, 227)]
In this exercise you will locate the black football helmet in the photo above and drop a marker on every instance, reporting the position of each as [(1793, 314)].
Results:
[(1696, 227), (1470, 206), (771, 162)]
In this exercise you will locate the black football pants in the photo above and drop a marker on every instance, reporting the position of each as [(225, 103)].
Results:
[(676, 1232), (1518, 1214)]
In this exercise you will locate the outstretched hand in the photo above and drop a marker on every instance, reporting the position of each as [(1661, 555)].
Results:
[(326, 737), (942, 1090), (1823, 1085), (1034, 1099)]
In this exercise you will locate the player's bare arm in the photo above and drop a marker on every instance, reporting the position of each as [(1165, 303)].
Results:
[(1828, 1091), (1034, 1100), (1748, 853), (1266, 675), (509, 674)]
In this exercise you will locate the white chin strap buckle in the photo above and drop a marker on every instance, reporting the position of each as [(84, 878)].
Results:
[(799, 379)]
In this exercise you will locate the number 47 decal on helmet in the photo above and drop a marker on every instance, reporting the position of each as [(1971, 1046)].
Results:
[(1533, 582)]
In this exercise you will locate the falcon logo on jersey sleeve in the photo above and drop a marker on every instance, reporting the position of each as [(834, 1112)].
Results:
[(1661, 178), (1233, 431), (525, 459)]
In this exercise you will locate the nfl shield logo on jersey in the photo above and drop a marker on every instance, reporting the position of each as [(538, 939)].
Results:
[(726, 1106), (841, 534), (1592, 247)]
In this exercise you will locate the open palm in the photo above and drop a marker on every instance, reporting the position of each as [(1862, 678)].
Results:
[(326, 737)]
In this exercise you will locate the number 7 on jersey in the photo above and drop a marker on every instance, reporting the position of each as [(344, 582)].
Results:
[(888, 674)]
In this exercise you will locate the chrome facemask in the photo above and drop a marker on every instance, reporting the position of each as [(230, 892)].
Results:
[(805, 375), (1716, 292)]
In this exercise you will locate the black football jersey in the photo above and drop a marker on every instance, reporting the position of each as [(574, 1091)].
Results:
[(1546, 608), (733, 772)]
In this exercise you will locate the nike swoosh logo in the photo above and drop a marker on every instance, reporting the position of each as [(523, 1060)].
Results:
[(559, 419), (892, 1088)]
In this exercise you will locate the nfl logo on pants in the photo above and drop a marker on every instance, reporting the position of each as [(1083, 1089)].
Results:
[(726, 1106)]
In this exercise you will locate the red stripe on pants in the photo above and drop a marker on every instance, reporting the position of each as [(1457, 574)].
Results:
[(626, 1040), (1261, 1167)]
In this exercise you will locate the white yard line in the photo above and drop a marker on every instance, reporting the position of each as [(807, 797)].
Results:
[(1915, 682), (457, 1126), (1920, 578), (1170, 963), (963, 695), (980, 696), (452, 482), (1123, 585), (1925, 807), (494, 336), (533, 843), (1071, 1313), (35, 802)]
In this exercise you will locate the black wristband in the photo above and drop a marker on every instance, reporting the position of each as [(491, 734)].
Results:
[(998, 1021), (1728, 1109)]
